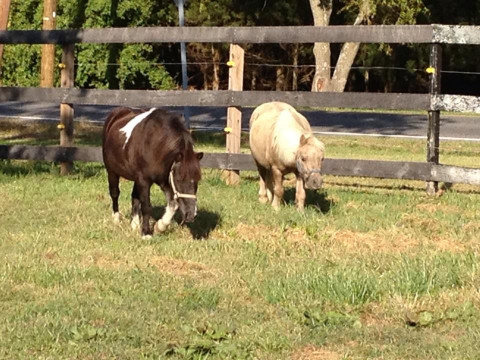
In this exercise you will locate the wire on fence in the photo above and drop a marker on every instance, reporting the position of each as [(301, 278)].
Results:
[(284, 65)]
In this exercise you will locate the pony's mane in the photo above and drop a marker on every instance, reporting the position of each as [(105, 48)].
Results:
[(286, 136), (190, 168)]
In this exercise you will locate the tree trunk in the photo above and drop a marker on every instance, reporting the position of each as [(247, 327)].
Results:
[(295, 68), (216, 69), (253, 82), (321, 10), (322, 80), (280, 83)]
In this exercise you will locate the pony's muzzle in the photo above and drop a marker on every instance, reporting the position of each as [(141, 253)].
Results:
[(188, 209), (189, 217), (314, 182)]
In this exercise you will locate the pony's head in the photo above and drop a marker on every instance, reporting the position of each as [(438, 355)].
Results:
[(184, 177), (309, 159)]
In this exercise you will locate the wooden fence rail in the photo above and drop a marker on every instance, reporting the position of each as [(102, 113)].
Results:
[(392, 101), (446, 34), (244, 162)]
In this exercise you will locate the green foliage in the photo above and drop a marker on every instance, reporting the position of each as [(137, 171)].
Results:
[(97, 65)]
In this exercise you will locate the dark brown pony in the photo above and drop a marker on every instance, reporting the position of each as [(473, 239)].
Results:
[(150, 147)]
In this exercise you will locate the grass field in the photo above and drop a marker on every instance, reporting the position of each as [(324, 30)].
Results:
[(374, 269)]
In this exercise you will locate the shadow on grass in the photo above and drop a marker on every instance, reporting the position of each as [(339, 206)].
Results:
[(24, 168), (17, 168), (205, 222), (443, 187), (203, 225), (314, 199)]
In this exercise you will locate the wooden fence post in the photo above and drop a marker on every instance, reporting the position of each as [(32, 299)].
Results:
[(47, 65), (66, 110), (234, 114), (4, 12), (433, 135)]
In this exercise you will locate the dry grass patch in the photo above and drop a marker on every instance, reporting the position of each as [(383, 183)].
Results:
[(391, 241), (106, 262), (164, 264), (388, 241), (311, 352), (434, 207), (181, 268)]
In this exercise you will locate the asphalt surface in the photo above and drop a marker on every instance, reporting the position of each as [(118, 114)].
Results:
[(324, 122)]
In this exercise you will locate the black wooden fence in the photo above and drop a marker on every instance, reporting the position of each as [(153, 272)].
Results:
[(432, 103)]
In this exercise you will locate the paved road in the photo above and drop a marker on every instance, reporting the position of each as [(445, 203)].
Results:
[(331, 122)]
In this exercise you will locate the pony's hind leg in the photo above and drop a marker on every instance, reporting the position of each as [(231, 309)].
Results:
[(277, 182), (146, 207), (262, 192), (136, 208), (113, 180)]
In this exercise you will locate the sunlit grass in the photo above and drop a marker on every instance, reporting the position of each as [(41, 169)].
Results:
[(364, 268), (372, 268)]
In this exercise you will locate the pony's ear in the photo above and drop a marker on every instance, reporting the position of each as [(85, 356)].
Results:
[(303, 140), (199, 155)]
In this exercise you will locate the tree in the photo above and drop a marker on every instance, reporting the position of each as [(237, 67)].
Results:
[(361, 12)]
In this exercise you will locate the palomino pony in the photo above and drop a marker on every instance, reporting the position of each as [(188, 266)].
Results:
[(282, 142), (149, 147)]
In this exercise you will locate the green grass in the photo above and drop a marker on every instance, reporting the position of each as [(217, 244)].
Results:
[(373, 269)]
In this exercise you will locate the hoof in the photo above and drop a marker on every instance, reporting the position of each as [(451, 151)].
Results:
[(160, 227), (116, 218), (276, 206), (146, 237), (135, 223), (263, 199)]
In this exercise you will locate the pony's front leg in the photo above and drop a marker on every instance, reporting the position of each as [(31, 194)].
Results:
[(146, 207), (277, 178), (300, 194), (172, 206)]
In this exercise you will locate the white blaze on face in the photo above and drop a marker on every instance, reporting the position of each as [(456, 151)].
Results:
[(127, 129)]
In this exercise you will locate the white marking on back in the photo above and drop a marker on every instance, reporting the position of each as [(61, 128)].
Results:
[(128, 129)]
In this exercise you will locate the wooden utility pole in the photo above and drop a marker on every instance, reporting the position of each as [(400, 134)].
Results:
[(234, 114), (48, 50), (4, 12)]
